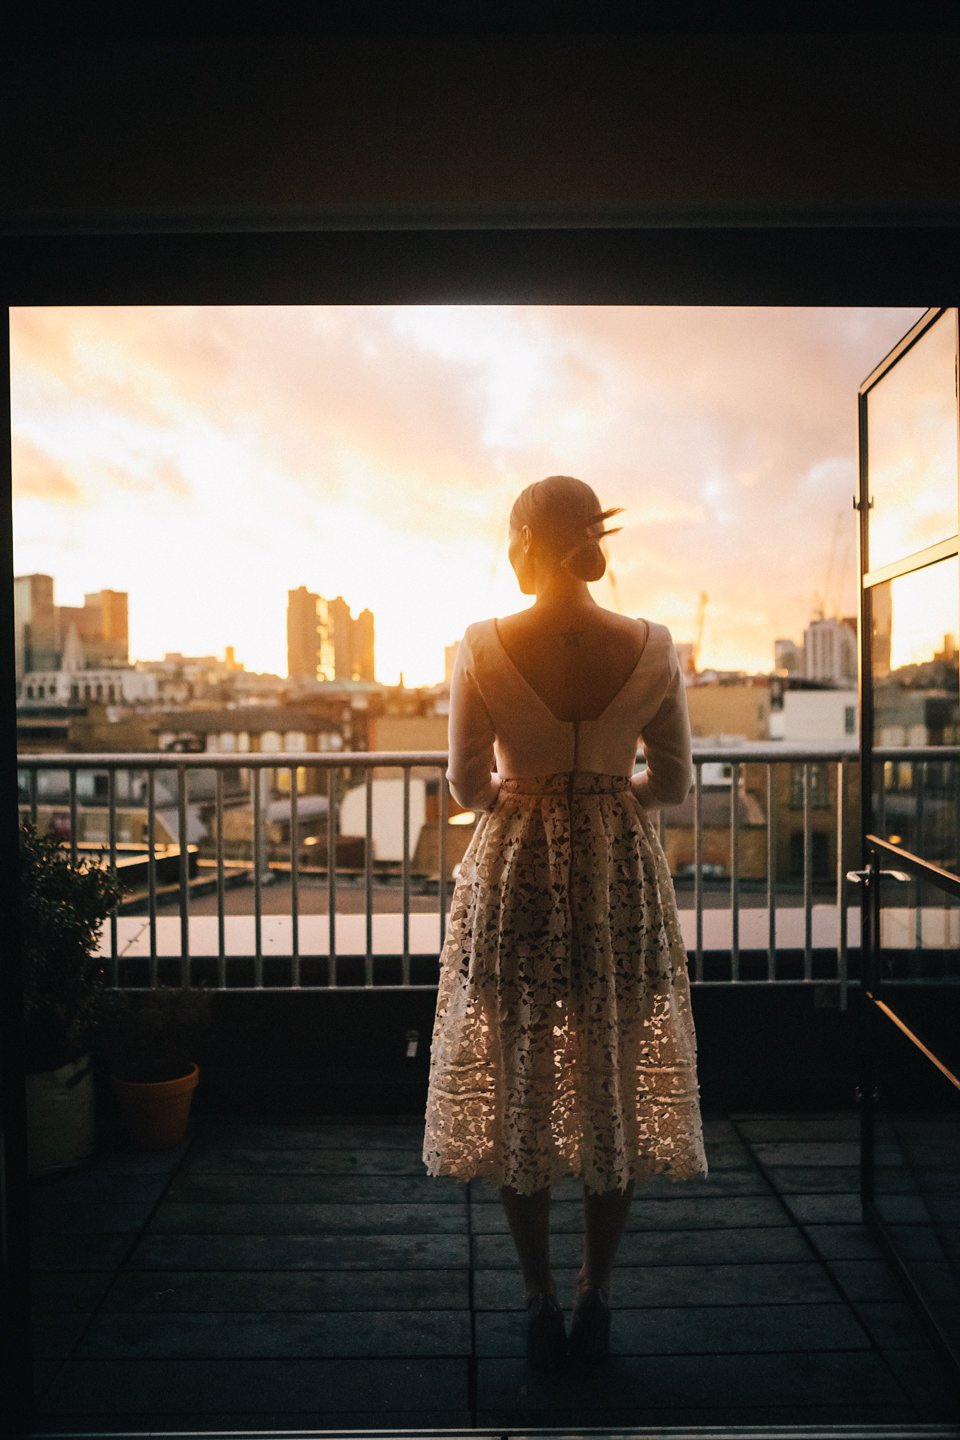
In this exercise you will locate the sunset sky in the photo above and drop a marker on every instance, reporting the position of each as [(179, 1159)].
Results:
[(207, 460)]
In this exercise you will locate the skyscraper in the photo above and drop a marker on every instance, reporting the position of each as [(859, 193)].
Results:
[(310, 636), (36, 628), (362, 647), (101, 626)]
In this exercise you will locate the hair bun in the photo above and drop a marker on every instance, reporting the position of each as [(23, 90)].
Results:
[(587, 561)]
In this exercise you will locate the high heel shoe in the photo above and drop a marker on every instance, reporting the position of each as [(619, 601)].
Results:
[(546, 1335), (590, 1324)]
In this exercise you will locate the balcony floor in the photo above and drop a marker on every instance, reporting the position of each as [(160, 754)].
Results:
[(297, 1274)]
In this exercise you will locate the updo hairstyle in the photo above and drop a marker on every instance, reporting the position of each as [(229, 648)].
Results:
[(565, 516)]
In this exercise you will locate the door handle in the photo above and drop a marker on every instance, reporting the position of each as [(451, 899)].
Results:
[(860, 877)]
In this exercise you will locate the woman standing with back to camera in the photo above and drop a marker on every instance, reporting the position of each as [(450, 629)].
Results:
[(563, 1041)]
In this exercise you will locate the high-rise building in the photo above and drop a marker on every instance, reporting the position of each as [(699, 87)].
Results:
[(342, 638), (310, 636), (36, 629), (830, 651), (362, 646), (101, 626), (787, 657), (113, 645)]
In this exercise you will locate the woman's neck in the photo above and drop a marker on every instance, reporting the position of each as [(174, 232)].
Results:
[(563, 591)]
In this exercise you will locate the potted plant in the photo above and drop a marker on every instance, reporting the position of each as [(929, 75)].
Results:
[(63, 904), (149, 1041)]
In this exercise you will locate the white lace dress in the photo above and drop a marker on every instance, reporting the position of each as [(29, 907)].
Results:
[(563, 1041)]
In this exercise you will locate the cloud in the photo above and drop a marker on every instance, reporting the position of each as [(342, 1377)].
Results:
[(341, 447), (38, 476)]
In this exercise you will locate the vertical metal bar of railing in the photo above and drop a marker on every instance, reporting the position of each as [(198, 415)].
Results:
[(735, 871), (771, 875), (442, 854), (883, 768), (405, 959), (257, 896), (331, 877), (919, 846), (72, 781), (34, 782), (368, 876), (698, 864), (294, 880), (152, 872), (184, 869), (221, 902), (842, 974), (112, 843), (807, 888)]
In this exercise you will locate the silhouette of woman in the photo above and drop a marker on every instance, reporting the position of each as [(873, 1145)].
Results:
[(563, 1041)]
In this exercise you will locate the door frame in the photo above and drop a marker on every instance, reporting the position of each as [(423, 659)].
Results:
[(880, 856)]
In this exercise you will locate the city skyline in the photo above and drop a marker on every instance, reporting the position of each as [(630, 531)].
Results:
[(375, 452)]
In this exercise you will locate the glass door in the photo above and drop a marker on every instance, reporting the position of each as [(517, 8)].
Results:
[(910, 768)]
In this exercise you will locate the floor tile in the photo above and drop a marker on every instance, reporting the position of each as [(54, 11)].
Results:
[(231, 1335), (674, 1214), (199, 1387), (305, 1219), (240, 1160), (73, 1252), (926, 1379), (704, 1381), (201, 1188), (837, 1179), (712, 1330), (654, 1247), (309, 1135), (299, 1252), (55, 1292), (157, 1292), (658, 1285), (54, 1336)]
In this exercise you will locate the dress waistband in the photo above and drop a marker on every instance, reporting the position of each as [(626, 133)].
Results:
[(585, 782)]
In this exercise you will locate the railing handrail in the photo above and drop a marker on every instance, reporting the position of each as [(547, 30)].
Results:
[(338, 759)]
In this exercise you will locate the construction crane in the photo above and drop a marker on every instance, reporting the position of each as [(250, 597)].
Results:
[(822, 600), (698, 633)]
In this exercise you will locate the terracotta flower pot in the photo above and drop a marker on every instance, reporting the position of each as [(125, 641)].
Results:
[(156, 1114)]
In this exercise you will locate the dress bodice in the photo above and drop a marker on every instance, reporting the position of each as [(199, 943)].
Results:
[(495, 715)]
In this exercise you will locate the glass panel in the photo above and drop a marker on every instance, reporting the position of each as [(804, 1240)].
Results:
[(917, 1160), (919, 935), (916, 704), (912, 448)]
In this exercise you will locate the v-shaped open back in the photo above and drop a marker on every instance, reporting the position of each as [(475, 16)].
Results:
[(578, 719)]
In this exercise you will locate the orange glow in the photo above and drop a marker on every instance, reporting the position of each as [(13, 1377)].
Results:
[(208, 459)]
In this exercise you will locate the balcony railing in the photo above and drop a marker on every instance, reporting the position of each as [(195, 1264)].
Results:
[(753, 909)]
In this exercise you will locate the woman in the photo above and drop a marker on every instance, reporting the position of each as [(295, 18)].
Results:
[(563, 1041)]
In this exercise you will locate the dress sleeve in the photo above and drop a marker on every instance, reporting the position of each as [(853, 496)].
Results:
[(666, 746), (470, 773)]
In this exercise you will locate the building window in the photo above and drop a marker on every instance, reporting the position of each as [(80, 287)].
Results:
[(819, 797), (819, 854), (42, 691), (850, 720), (29, 692)]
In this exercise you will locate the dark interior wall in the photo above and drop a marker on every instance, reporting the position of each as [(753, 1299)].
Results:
[(286, 131)]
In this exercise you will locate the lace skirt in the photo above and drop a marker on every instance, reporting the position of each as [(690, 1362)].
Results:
[(563, 1041)]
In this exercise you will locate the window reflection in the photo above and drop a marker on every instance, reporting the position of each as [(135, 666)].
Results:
[(912, 448), (916, 703)]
